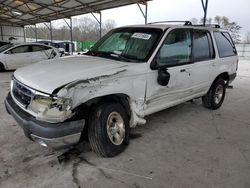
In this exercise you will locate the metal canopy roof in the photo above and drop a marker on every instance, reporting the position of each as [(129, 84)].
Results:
[(24, 12)]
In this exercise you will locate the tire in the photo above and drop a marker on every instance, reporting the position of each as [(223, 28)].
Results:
[(215, 96), (108, 130), (2, 67)]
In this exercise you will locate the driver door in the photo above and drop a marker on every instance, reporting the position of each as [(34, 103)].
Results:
[(175, 57)]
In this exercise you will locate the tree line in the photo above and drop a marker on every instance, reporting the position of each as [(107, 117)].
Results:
[(225, 23), (87, 29), (83, 29)]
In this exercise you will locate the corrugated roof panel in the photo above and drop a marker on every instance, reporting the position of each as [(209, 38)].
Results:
[(26, 16), (71, 4), (44, 11), (15, 12)]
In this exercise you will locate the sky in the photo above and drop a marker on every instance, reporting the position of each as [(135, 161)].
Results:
[(159, 10)]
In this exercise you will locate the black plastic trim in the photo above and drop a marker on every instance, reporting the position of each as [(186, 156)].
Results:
[(232, 76)]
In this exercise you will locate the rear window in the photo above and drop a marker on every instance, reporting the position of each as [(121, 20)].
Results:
[(225, 44)]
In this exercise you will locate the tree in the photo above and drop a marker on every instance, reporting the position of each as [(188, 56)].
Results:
[(225, 23), (84, 28), (194, 21), (232, 27)]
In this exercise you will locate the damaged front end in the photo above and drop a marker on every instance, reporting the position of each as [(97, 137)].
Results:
[(51, 109), (45, 119), (44, 107)]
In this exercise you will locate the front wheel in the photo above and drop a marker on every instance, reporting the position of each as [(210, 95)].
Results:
[(108, 130), (215, 96)]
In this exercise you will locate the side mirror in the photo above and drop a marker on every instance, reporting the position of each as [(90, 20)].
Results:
[(154, 65), (163, 76)]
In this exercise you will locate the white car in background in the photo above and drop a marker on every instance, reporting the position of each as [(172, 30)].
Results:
[(13, 56)]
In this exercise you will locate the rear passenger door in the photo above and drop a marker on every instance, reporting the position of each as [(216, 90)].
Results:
[(203, 56), (40, 53)]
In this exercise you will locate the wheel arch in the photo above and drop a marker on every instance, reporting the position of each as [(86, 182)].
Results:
[(224, 76), (83, 110), (3, 66)]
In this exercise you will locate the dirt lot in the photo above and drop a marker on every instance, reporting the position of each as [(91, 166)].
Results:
[(186, 146)]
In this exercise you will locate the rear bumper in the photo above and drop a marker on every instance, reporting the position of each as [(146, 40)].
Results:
[(54, 135)]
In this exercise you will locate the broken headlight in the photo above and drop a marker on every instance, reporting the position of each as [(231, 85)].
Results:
[(51, 109)]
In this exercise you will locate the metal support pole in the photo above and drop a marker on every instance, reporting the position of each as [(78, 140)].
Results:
[(204, 5), (51, 37), (144, 13), (70, 25), (100, 24), (35, 32), (1, 31), (99, 21), (24, 34), (71, 35)]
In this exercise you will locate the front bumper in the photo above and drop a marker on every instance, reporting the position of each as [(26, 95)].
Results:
[(54, 135)]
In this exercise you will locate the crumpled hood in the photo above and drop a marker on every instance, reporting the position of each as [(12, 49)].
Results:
[(47, 76)]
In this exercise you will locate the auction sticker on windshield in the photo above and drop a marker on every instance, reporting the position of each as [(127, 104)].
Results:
[(141, 36)]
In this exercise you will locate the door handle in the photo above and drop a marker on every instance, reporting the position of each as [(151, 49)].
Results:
[(183, 70), (186, 71)]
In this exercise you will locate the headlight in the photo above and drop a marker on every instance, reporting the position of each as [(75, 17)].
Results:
[(51, 109)]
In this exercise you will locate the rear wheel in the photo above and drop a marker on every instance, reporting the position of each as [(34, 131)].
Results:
[(215, 96), (108, 130)]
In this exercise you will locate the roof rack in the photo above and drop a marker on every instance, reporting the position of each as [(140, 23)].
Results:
[(185, 22), (208, 25), (188, 23)]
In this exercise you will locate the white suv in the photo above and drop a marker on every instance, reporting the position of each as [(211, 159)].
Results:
[(130, 73)]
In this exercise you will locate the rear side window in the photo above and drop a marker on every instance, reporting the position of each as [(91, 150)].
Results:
[(225, 44), (202, 46), (21, 49), (36, 48)]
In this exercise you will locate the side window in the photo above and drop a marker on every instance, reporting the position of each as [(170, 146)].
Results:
[(225, 44), (202, 46), (176, 49), (36, 48), (21, 49)]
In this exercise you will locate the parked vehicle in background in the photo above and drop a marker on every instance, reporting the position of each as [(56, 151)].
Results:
[(13, 56), (2, 43), (130, 73)]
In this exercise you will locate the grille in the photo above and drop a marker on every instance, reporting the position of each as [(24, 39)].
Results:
[(22, 93)]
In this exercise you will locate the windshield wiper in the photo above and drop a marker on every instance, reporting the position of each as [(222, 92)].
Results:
[(120, 56)]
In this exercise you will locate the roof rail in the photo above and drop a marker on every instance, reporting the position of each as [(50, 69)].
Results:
[(185, 22), (208, 25)]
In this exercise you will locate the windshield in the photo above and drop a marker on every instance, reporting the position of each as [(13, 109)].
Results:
[(5, 47), (128, 44)]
